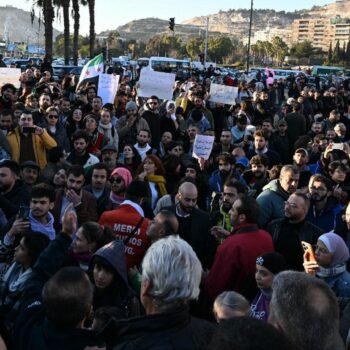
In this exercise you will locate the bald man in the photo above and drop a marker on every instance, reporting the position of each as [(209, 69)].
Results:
[(164, 224), (194, 224)]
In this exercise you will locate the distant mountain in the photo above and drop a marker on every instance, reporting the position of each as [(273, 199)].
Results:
[(144, 29), (16, 25), (231, 22)]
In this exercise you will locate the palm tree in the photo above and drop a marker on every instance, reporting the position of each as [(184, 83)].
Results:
[(76, 15), (64, 4), (47, 15), (91, 4)]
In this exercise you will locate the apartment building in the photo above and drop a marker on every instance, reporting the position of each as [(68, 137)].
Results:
[(321, 31)]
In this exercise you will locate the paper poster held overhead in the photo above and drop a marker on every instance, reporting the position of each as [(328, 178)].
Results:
[(202, 147), (108, 87), (223, 94)]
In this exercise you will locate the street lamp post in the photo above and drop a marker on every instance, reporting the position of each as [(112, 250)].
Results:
[(250, 33)]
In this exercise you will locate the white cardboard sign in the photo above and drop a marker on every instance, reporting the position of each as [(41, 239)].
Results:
[(223, 94), (108, 87), (203, 144)]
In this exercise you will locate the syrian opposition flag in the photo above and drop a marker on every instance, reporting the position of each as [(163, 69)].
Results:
[(91, 71)]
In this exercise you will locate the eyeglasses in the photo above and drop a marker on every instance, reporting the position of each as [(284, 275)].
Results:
[(52, 116), (117, 180)]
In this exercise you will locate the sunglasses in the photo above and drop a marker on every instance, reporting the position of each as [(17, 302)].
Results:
[(52, 116), (118, 180)]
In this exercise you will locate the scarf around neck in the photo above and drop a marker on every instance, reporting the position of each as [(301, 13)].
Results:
[(160, 182), (331, 271)]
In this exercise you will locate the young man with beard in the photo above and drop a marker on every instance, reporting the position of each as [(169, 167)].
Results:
[(44, 103), (225, 144), (99, 187), (120, 179), (128, 222), (30, 142), (257, 176), (301, 159), (39, 219), (29, 173), (142, 146), (261, 147), (221, 220), (80, 156), (288, 232), (324, 211), (13, 193), (151, 115), (226, 171), (84, 203), (6, 98), (194, 224)]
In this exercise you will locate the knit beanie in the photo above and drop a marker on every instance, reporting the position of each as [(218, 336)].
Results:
[(335, 245), (131, 105), (124, 174), (273, 261)]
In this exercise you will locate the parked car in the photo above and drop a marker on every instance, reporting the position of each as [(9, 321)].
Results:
[(59, 72)]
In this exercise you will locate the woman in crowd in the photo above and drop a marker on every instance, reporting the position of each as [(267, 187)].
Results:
[(267, 266), (152, 171), (88, 239), (106, 127), (59, 180), (74, 122), (109, 276), (338, 174), (331, 255), (96, 138), (55, 129), (31, 102), (131, 158)]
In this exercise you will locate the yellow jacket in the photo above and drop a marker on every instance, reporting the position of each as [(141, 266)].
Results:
[(41, 143)]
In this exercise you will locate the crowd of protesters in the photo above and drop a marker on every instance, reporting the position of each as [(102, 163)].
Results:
[(113, 236)]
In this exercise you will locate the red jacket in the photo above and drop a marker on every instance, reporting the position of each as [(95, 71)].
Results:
[(234, 264), (122, 221)]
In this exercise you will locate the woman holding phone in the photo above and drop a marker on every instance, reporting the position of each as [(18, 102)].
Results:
[(331, 253)]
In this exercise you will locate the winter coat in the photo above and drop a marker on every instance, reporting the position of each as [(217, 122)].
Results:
[(119, 293), (172, 330), (33, 330), (271, 202), (41, 143), (110, 135)]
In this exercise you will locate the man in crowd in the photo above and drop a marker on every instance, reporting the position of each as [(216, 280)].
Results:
[(30, 142), (225, 145), (44, 103), (165, 301), (6, 96), (129, 223), (301, 160), (151, 115), (120, 180), (6, 121), (142, 146), (261, 148), (164, 224), (257, 176), (234, 264), (37, 219), (84, 203), (29, 173), (194, 224), (306, 310), (13, 193), (275, 193), (288, 232), (296, 124), (221, 218), (324, 212), (225, 171), (80, 155), (99, 187), (109, 156)]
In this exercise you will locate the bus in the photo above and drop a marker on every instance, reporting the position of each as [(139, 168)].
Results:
[(325, 70), (182, 68)]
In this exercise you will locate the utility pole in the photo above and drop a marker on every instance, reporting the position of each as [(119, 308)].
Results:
[(206, 43), (250, 33)]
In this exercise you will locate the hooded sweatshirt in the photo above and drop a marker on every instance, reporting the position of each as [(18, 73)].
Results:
[(118, 294)]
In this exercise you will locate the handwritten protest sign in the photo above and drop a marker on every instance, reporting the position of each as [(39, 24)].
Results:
[(223, 94), (108, 87), (156, 83), (202, 146), (11, 76)]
